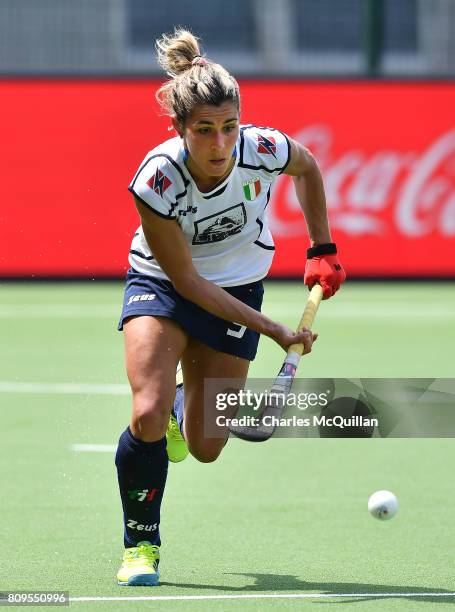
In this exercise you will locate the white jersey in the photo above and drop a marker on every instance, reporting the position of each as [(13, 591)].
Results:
[(226, 229)]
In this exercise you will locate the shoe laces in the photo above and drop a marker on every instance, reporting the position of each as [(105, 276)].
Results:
[(142, 553), (174, 429)]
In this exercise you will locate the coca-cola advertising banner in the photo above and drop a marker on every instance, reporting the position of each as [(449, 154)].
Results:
[(386, 151)]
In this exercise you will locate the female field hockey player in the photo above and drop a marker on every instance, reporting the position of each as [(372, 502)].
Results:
[(194, 291)]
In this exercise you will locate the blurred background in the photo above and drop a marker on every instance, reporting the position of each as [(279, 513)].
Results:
[(251, 37), (367, 85)]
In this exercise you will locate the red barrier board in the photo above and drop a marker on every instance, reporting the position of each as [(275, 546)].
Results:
[(386, 150)]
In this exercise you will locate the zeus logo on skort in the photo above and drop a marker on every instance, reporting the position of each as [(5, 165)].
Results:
[(145, 297)]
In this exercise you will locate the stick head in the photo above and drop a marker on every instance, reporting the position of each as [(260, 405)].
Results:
[(266, 418)]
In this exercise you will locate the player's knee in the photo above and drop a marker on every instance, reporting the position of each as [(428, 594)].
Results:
[(205, 455), (150, 416)]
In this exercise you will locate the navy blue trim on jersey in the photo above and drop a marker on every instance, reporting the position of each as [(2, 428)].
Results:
[(147, 205), (289, 153), (264, 246), (172, 161), (154, 297), (141, 167), (217, 193), (172, 205), (258, 242), (241, 163), (261, 227), (141, 255), (268, 197)]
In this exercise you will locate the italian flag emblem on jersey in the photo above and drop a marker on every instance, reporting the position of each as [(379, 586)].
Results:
[(252, 188)]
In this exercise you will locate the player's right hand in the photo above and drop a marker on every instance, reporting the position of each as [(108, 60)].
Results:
[(324, 267), (285, 337)]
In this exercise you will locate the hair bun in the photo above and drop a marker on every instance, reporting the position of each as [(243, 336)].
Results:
[(176, 52), (199, 61)]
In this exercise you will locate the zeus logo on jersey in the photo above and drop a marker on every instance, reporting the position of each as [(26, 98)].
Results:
[(159, 182), (145, 297), (267, 145), (132, 524)]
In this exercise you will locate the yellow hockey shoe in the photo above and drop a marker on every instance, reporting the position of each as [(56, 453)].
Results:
[(140, 566), (177, 449)]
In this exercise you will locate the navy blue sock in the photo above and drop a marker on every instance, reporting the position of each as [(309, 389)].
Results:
[(142, 471), (178, 407)]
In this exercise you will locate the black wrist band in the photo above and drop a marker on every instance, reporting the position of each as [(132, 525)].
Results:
[(330, 248)]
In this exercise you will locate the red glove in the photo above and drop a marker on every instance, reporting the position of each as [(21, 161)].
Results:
[(323, 267)]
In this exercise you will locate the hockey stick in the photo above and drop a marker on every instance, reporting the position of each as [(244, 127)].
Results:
[(274, 405)]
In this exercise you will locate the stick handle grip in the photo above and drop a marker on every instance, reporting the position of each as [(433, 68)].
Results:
[(308, 316)]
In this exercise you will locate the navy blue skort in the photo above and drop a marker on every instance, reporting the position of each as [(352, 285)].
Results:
[(148, 296)]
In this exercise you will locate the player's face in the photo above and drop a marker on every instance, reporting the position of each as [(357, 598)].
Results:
[(210, 135)]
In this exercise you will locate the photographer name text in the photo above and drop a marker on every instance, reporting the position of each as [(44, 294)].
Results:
[(295, 421)]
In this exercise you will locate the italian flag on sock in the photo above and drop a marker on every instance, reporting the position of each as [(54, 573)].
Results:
[(252, 189)]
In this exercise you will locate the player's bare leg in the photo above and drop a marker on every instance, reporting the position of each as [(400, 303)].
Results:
[(200, 362), (153, 346)]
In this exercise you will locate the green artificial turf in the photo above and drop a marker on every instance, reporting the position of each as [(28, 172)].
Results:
[(284, 517)]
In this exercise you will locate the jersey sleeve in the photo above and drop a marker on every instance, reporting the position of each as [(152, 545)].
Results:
[(158, 185), (265, 149)]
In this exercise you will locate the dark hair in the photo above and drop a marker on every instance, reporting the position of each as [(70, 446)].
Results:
[(194, 79)]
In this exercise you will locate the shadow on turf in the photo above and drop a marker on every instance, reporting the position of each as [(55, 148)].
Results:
[(287, 582)]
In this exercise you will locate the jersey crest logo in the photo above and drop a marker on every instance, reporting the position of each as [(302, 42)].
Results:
[(159, 182), (252, 188), (267, 145), (221, 225)]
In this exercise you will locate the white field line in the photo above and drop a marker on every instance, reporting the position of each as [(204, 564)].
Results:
[(63, 311), (93, 448), (333, 310), (64, 388), (435, 395), (261, 596)]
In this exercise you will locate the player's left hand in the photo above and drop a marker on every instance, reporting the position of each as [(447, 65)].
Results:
[(324, 267), (284, 336)]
